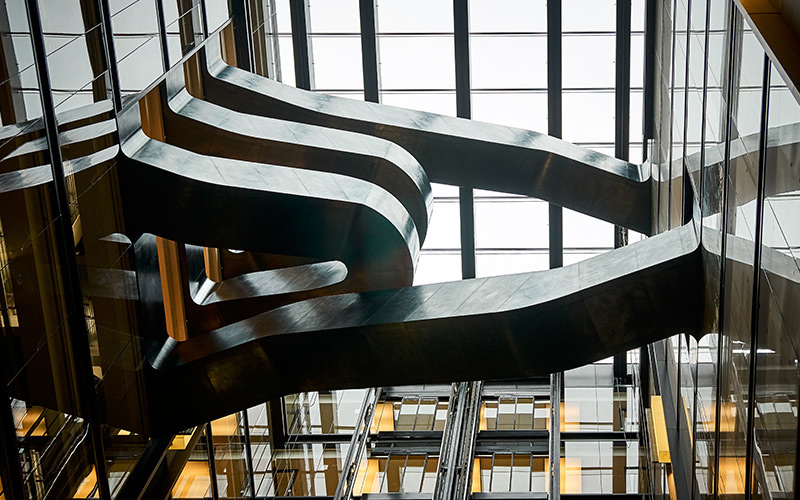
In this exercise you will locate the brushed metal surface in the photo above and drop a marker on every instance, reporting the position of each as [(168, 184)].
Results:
[(453, 150), (490, 328), (213, 130)]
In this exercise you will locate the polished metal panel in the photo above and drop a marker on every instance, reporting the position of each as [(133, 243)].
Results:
[(226, 203), (455, 151), (492, 328), (208, 129)]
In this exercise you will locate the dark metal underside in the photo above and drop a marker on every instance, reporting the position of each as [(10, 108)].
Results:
[(453, 150)]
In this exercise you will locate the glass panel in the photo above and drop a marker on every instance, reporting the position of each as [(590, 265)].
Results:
[(415, 16), (334, 17), (588, 15), (494, 222), (443, 103), (777, 383), (337, 63), (741, 180), (600, 467), (508, 16), (523, 110), (581, 125), (583, 231), (417, 62), (588, 61), (216, 13), (495, 62)]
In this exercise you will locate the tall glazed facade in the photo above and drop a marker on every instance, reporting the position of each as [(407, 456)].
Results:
[(97, 99)]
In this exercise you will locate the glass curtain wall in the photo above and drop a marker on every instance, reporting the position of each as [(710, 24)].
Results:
[(58, 261), (737, 389), (726, 129)]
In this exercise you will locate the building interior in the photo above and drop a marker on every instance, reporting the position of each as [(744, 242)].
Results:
[(258, 249)]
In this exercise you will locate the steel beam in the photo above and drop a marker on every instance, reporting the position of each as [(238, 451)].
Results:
[(242, 34), (466, 200), (554, 443), (648, 111), (554, 120), (358, 444), (754, 457), (622, 98), (454, 477), (196, 125), (301, 45), (69, 275), (248, 449), (556, 227), (212, 462), (162, 35), (582, 313), (456, 151), (111, 51), (276, 423), (369, 50)]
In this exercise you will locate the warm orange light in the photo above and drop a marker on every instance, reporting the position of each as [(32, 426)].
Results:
[(87, 485), (659, 424), (571, 475), (476, 474), (193, 482), (29, 420), (731, 475), (384, 418), (179, 442), (225, 426)]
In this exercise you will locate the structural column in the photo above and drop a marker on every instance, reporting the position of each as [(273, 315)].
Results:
[(303, 72), (464, 110), (555, 216), (73, 297), (241, 34), (369, 50), (622, 98)]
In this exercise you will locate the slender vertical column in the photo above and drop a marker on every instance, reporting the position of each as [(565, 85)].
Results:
[(554, 123), (730, 70), (162, 34), (454, 477), (248, 449), (648, 109), (203, 18), (554, 445), (212, 463), (622, 89), (358, 443), (111, 51), (458, 441), (241, 34), (62, 229), (751, 400), (276, 423), (687, 205), (10, 470), (274, 49), (303, 72), (622, 99), (648, 120), (369, 50), (464, 110), (556, 225)]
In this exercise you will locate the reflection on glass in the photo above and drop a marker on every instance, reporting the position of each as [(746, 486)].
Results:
[(776, 391), (331, 412), (600, 467)]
